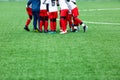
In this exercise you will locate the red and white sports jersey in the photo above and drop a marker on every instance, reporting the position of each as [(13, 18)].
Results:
[(43, 5), (71, 5), (52, 5), (63, 4)]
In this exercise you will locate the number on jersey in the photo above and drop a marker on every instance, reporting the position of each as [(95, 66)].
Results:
[(53, 2)]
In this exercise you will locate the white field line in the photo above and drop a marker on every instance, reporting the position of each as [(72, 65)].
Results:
[(105, 23), (100, 9)]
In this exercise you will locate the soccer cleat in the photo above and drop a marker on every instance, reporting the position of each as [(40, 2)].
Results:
[(46, 31), (40, 31), (52, 32), (26, 28), (85, 28), (74, 30), (36, 30), (71, 29), (63, 32)]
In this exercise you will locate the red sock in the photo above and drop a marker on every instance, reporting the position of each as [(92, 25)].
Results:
[(60, 24), (51, 26), (46, 25), (28, 22), (54, 26), (77, 20), (70, 23), (40, 25), (76, 23), (64, 24)]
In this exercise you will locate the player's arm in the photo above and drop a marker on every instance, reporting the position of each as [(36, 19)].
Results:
[(74, 1), (29, 2), (57, 2), (47, 7)]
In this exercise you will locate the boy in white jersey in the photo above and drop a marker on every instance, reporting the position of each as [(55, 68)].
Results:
[(63, 16), (75, 13), (53, 14), (43, 17)]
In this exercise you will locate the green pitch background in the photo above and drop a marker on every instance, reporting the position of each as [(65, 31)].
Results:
[(94, 55)]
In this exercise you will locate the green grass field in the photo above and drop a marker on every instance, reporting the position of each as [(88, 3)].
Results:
[(94, 55)]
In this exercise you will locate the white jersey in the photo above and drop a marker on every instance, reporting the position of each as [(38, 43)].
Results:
[(43, 5), (52, 5), (63, 4), (71, 5)]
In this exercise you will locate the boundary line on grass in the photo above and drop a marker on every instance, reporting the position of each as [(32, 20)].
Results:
[(107, 23), (102, 9), (104, 23), (107, 9)]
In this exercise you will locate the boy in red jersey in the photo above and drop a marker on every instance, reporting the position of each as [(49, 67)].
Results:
[(29, 12), (75, 13), (43, 17)]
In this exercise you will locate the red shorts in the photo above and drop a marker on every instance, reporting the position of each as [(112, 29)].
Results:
[(53, 15), (64, 12), (29, 11), (75, 12), (43, 13), (69, 17)]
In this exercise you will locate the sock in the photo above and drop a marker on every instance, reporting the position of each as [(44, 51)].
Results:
[(65, 27), (54, 26), (60, 24), (63, 24), (46, 25), (76, 23), (76, 20), (70, 23), (51, 26), (40, 25), (28, 22)]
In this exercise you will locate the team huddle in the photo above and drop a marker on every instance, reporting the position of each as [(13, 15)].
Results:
[(43, 10)]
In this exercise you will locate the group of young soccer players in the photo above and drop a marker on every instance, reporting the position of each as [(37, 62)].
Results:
[(44, 10)]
